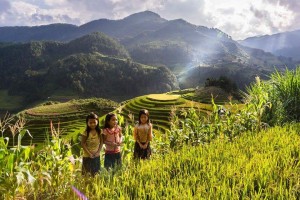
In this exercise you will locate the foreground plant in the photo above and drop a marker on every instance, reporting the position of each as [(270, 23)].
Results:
[(285, 93)]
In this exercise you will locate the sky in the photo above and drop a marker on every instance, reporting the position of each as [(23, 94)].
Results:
[(238, 18)]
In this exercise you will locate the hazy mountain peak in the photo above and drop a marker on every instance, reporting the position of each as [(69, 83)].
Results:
[(281, 44), (145, 15)]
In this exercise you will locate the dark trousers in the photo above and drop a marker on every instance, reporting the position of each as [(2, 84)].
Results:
[(112, 160), (90, 165), (140, 153)]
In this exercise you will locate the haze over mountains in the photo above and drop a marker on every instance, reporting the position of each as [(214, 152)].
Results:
[(282, 44), (142, 53)]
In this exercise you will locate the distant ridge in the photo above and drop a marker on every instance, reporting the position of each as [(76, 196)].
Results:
[(282, 44)]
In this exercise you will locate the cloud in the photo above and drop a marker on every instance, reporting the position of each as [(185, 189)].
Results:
[(112, 9), (250, 18), (275, 17), (38, 17), (290, 5), (189, 10), (31, 13), (4, 6)]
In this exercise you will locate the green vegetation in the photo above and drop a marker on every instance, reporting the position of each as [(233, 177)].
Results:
[(8, 102), (223, 82), (159, 106), (280, 95), (231, 155), (253, 165), (161, 52), (69, 116), (94, 65), (97, 42), (285, 96)]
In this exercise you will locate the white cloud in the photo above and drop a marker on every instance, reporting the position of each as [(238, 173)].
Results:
[(249, 18), (4, 5), (239, 19)]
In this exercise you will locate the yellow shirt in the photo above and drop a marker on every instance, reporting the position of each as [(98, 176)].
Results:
[(92, 143), (142, 132)]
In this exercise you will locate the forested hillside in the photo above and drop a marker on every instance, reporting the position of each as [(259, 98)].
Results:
[(93, 65), (176, 44)]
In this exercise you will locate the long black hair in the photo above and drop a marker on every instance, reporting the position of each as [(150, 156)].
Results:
[(144, 112), (107, 119), (88, 129)]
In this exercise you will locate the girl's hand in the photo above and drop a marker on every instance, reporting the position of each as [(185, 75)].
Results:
[(97, 154), (145, 146), (91, 155), (115, 144)]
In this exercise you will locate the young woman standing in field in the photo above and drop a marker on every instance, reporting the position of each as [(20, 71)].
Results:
[(91, 142), (143, 136), (112, 135)]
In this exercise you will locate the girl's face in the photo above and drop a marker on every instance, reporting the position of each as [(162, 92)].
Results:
[(144, 119), (92, 123), (113, 121)]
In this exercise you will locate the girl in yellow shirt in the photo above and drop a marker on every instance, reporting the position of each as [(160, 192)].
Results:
[(91, 143), (143, 136)]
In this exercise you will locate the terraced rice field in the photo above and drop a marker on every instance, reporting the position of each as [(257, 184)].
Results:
[(39, 126), (160, 107), (69, 117)]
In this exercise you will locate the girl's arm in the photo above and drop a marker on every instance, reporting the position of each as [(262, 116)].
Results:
[(120, 135), (105, 139), (101, 141), (150, 133), (100, 145), (149, 136), (83, 144), (136, 136)]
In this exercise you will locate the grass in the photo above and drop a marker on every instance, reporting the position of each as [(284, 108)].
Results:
[(218, 157), (55, 109), (254, 166), (8, 102), (262, 165)]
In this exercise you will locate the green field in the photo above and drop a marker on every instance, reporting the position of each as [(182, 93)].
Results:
[(250, 151), (70, 115)]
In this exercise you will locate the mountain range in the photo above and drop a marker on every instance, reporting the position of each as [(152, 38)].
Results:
[(281, 44), (142, 53)]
